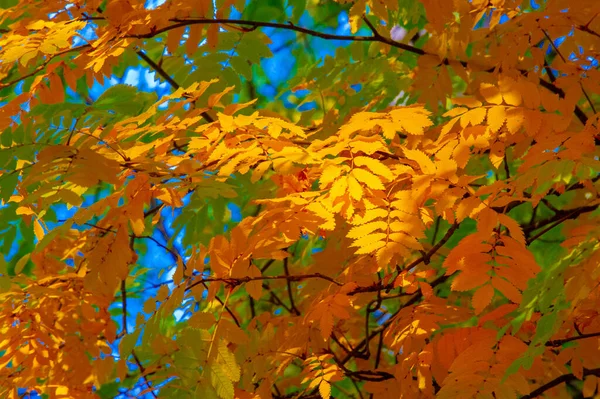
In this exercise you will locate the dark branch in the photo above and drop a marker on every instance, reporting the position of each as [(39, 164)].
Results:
[(559, 380), (559, 342), (168, 78)]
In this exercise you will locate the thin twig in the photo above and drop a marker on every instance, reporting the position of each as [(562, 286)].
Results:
[(559, 380), (560, 342), (143, 371), (289, 288), (168, 78)]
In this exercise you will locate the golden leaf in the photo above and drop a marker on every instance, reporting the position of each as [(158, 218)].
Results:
[(367, 178)]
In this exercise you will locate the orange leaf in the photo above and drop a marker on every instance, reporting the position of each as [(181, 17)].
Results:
[(482, 298), (507, 289)]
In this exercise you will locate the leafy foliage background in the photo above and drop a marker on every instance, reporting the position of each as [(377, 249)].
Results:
[(256, 199)]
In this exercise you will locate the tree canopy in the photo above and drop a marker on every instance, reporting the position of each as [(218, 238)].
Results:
[(299, 199)]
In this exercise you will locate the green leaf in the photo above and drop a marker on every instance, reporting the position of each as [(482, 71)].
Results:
[(20, 265), (3, 266), (5, 284), (6, 137), (264, 10), (128, 342), (242, 66), (115, 96), (125, 99), (204, 391), (298, 7), (545, 327), (9, 237), (6, 4), (176, 68), (109, 390), (254, 47)]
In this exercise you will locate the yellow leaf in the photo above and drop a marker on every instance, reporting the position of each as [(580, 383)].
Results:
[(24, 210), (338, 188), (497, 154), (227, 360), (510, 92), (366, 229), (368, 179), (295, 154), (425, 163), (473, 117), (325, 389), (38, 229), (221, 382), (260, 170), (329, 174), (467, 102), (496, 117), (411, 120), (137, 225), (370, 240), (491, 93), (456, 111), (354, 188), (375, 166)]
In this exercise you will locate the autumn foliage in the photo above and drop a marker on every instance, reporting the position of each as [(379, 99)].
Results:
[(422, 221)]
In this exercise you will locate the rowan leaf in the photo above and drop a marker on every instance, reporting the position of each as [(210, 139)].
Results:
[(482, 298), (367, 178), (375, 166), (325, 389), (192, 207), (221, 382)]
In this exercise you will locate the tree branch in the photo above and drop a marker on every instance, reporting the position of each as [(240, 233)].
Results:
[(235, 281), (555, 220), (143, 371), (560, 342), (559, 380), (289, 288), (168, 78)]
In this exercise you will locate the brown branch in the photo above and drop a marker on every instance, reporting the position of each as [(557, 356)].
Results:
[(555, 220), (233, 282), (559, 342), (327, 36), (559, 380), (152, 211), (180, 22), (365, 342), (557, 51), (275, 300), (168, 78), (289, 288), (143, 370), (426, 258), (124, 307), (43, 65)]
